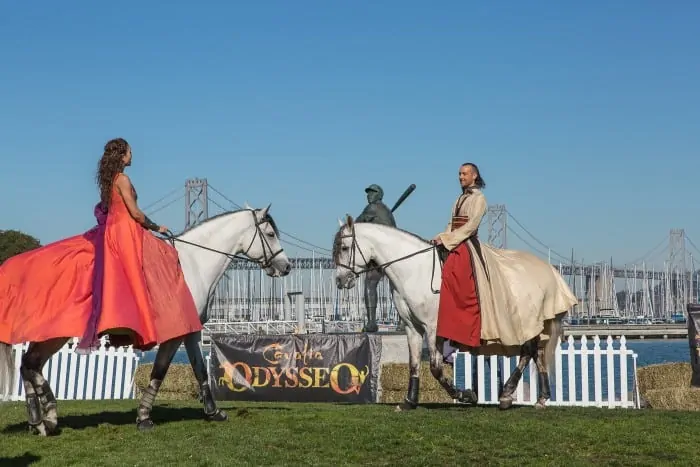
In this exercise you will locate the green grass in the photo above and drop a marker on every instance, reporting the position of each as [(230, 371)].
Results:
[(104, 433)]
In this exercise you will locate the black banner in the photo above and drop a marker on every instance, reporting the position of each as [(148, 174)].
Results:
[(296, 368), (693, 310)]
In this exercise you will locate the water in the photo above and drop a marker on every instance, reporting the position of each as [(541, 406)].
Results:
[(655, 351), (649, 351)]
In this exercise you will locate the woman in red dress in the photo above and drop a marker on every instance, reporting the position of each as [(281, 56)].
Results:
[(117, 279)]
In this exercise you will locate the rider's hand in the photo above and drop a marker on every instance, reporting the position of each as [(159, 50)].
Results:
[(162, 229), (437, 240)]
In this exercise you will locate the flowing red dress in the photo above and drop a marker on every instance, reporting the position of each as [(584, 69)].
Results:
[(116, 279), (459, 312)]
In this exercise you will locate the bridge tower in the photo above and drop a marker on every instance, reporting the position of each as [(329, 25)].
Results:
[(676, 282), (196, 201), (497, 222)]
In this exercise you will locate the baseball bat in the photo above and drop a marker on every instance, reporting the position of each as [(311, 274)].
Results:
[(403, 197)]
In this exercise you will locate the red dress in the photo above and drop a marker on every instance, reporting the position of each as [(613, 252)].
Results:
[(116, 279), (459, 313)]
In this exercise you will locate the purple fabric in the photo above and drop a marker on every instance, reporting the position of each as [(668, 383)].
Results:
[(89, 341), (448, 352)]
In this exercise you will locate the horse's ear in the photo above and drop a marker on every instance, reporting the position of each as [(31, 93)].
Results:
[(349, 220), (340, 223), (247, 206), (262, 213)]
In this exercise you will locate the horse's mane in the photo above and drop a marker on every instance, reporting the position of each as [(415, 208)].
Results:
[(268, 218), (337, 238)]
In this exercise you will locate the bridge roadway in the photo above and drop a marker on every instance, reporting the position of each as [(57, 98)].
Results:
[(566, 270)]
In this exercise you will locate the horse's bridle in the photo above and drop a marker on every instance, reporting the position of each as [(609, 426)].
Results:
[(352, 265), (266, 261)]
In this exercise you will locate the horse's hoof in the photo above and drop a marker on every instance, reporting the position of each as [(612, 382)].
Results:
[(505, 404), (39, 429), (371, 327), (540, 405), (51, 428), (145, 425), (218, 416), (405, 406), (468, 397)]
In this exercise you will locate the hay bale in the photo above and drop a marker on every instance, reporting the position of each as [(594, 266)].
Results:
[(686, 398), (394, 377), (179, 382), (663, 376)]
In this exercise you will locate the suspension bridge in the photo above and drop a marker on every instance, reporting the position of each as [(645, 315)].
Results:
[(248, 301)]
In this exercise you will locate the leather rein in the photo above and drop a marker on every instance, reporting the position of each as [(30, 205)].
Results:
[(266, 259), (352, 266)]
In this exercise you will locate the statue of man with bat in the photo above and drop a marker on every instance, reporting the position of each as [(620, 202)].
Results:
[(379, 213)]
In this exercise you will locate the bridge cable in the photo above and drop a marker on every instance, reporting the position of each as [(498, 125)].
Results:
[(526, 242), (691, 243), (161, 199), (568, 260), (648, 253), (282, 240), (281, 231), (150, 213)]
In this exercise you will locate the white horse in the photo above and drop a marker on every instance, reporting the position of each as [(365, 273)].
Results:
[(205, 251), (414, 271)]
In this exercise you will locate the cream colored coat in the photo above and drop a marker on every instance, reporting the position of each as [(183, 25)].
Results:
[(520, 292)]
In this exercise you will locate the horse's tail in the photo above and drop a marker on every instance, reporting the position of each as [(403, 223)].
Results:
[(7, 371), (555, 335)]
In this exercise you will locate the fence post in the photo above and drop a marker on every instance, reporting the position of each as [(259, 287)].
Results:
[(605, 385), (74, 377)]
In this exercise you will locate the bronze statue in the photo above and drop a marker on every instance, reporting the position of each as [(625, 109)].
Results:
[(379, 213)]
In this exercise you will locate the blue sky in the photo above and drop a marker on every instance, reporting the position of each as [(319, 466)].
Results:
[(583, 118)]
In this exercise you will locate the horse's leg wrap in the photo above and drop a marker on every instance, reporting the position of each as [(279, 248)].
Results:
[(48, 403), (143, 419), (165, 354), (31, 399), (34, 415), (543, 381), (506, 399), (199, 367), (212, 412), (413, 390)]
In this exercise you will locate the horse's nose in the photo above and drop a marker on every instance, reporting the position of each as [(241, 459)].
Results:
[(288, 269)]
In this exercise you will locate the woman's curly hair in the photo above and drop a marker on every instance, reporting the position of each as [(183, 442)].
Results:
[(111, 163)]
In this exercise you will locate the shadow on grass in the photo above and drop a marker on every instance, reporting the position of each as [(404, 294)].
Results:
[(441, 406), (25, 459), (162, 415), (451, 406)]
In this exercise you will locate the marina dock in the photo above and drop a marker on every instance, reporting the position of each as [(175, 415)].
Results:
[(630, 331)]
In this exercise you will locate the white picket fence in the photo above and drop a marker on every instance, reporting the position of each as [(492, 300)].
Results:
[(106, 373), (584, 376), (109, 374)]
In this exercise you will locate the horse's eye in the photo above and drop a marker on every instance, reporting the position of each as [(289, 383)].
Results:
[(344, 248)]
